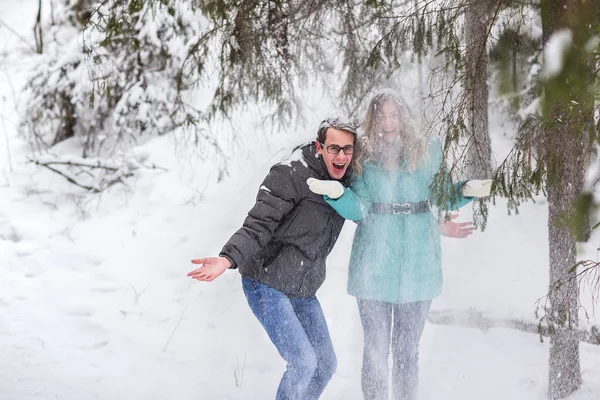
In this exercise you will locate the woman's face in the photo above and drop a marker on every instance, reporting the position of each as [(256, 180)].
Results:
[(390, 125)]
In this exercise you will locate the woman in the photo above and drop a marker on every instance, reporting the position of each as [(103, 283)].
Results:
[(395, 265)]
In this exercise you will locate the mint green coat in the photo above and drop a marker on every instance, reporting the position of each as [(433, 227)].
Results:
[(394, 258)]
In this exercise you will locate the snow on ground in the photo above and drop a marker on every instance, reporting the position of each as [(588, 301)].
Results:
[(95, 302)]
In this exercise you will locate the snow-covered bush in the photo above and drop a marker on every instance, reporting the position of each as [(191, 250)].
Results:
[(127, 75)]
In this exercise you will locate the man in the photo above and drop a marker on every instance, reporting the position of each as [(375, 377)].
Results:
[(280, 252)]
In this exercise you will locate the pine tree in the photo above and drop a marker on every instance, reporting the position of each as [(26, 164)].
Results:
[(265, 52)]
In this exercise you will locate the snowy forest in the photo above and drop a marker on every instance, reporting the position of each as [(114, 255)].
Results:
[(136, 134)]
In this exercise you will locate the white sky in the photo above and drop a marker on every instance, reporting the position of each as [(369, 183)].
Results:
[(95, 302)]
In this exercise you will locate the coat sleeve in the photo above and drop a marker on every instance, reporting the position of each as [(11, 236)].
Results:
[(443, 192), (277, 195), (355, 203)]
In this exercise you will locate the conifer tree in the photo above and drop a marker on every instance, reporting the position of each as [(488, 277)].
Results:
[(266, 52)]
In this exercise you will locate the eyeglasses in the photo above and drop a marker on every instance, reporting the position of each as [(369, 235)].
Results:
[(335, 149)]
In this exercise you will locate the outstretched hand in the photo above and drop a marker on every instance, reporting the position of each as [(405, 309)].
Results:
[(212, 268), (332, 189), (456, 230), (477, 188)]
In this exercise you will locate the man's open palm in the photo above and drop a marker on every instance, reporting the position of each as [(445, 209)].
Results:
[(212, 268)]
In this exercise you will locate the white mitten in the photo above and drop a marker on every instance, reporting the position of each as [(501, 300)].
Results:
[(477, 188), (333, 189)]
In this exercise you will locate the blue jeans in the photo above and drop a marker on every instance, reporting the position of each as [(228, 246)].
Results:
[(397, 327), (297, 328)]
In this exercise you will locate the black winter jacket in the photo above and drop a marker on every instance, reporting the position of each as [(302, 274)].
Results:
[(290, 231)]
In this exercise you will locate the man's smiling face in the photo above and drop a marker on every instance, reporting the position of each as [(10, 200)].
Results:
[(337, 164)]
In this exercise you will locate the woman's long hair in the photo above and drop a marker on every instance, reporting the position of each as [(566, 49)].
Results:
[(374, 149)]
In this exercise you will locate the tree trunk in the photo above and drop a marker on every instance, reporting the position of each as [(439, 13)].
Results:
[(568, 106), (478, 159), (564, 369)]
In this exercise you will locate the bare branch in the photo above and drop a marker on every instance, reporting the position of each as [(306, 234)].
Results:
[(4, 24), (473, 318)]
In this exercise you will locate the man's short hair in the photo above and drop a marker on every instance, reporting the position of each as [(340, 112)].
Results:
[(336, 123)]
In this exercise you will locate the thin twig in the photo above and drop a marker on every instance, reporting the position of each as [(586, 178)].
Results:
[(175, 329), (238, 372), (95, 189), (70, 179), (2, 23), (9, 156), (117, 180), (76, 164), (137, 295)]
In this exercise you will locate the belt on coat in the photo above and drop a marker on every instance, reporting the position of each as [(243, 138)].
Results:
[(400, 208)]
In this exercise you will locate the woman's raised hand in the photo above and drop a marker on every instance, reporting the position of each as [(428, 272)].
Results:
[(477, 188), (456, 230)]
